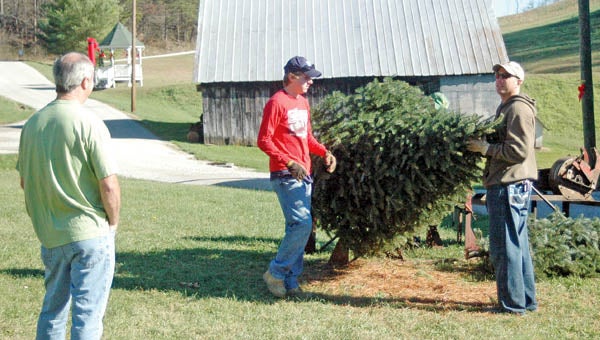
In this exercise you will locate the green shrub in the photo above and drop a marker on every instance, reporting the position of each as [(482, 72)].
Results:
[(566, 246), (402, 164)]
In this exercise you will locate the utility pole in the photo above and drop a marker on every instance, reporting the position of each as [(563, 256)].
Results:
[(133, 56), (587, 100), (35, 18)]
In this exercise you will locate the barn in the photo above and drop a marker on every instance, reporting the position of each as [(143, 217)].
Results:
[(446, 46)]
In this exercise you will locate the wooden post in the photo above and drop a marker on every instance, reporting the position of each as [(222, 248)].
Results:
[(133, 56)]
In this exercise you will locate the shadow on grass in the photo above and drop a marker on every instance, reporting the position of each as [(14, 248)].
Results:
[(262, 184), (147, 129), (23, 272), (218, 273), (478, 271), (128, 128), (430, 305), (232, 267), (211, 271), (168, 131)]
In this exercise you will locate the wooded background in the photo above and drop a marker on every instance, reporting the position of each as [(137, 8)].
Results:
[(163, 24)]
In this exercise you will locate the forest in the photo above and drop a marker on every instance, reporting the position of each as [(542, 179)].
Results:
[(35, 25)]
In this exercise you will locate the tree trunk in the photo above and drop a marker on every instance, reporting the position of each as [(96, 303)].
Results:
[(311, 244), (340, 257)]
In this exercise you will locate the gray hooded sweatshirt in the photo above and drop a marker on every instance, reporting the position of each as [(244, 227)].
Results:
[(510, 157)]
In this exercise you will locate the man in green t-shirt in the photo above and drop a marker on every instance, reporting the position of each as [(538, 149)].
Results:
[(73, 197)]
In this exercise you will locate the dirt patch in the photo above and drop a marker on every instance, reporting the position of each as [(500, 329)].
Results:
[(430, 284)]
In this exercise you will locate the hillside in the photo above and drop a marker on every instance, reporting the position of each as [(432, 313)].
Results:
[(546, 15), (546, 39), (546, 42)]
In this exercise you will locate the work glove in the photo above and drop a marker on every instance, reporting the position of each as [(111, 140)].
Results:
[(476, 145), (330, 162), (297, 171)]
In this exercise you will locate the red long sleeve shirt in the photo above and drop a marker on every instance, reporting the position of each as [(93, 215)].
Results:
[(286, 134)]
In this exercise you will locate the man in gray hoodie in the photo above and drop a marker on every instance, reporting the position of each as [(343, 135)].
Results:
[(509, 171)]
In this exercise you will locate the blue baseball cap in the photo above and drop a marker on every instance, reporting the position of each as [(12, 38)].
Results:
[(301, 64)]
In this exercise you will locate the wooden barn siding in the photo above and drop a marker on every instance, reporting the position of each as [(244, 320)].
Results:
[(232, 112)]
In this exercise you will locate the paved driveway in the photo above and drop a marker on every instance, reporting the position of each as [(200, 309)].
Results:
[(140, 154)]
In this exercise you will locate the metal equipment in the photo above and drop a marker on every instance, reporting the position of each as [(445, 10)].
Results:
[(574, 177)]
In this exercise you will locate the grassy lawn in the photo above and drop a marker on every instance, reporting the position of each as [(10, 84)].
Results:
[(223, 239), (13, 112)]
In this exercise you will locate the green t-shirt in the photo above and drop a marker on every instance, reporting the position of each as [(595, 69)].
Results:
[(63, 153)]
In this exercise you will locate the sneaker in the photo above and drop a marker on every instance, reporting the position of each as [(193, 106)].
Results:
[(275, 286)]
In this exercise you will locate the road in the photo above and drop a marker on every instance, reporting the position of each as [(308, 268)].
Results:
[(140, 153)]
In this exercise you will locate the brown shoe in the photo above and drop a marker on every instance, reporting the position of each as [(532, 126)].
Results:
[(275, 286)]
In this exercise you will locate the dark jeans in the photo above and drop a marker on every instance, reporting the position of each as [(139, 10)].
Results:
[(508, 207)]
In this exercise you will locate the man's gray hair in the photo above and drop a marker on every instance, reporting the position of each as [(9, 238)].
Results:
[(69, 71)]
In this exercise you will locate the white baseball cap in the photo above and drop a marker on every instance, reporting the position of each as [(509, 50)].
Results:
[(512, 68)]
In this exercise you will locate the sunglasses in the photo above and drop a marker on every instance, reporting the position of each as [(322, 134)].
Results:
[(503, 75)]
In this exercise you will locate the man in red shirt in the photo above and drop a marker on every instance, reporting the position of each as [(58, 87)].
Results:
[(285, 135)]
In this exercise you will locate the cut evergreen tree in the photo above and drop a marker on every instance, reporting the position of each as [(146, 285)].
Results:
[(565, 246), (402, 164)]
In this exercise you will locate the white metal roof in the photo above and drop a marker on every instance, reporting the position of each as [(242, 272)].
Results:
[(251, 40)]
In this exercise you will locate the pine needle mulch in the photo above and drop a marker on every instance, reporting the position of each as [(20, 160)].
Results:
[(425, 284)]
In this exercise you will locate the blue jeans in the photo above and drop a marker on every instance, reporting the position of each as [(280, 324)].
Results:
[(508, 207), (81, 272), (295, 199)]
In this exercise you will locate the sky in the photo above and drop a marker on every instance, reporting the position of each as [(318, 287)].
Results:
[(505, 7)]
